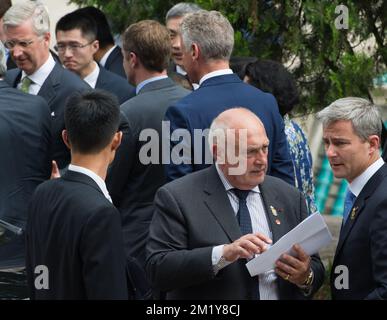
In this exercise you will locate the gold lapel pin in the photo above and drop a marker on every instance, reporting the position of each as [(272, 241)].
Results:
[(353, 213), (274, 211)]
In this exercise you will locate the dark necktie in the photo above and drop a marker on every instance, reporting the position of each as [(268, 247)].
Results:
[(243, 215), (348, 203)]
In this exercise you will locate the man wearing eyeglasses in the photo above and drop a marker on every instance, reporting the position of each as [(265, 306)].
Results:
[(26, 28), (76, 36)]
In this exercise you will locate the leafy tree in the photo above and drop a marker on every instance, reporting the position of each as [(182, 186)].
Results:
[(327, 62)]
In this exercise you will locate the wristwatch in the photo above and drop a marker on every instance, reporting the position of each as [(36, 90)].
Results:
[(309, 279), (220, 265)]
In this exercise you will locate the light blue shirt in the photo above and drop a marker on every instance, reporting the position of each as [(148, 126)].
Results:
[(145, 82)]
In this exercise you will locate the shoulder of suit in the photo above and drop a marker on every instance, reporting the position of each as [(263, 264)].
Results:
[(271, 181)]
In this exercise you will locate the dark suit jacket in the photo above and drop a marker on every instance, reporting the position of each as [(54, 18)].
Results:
[(59, 85), (114, 62), (132, 184), (362, 246), (217, 94), (25, 141), (76, 232), (115, 84), (193, 214)]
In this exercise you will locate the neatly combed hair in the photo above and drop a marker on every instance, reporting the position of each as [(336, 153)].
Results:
[(91, 120), (271, 76), (75, 20), (149, 40), (181, 9), (4, 6), (211, 32), (3, 61), (23, 11), (363, 114), (104, 33)]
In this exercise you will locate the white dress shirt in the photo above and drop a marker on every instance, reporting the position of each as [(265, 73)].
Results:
[(215, 74), (97, 179), (267, 281), (92, 77), (39, 76), (359, 182)]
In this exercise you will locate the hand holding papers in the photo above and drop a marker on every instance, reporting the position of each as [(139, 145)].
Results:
[(312, 234)]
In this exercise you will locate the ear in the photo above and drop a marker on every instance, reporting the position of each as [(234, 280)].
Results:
[(374, 142), (65, 138), (47, 38), (116, 141), (133, 59), (215, 152), (95, 46), (195, 51)]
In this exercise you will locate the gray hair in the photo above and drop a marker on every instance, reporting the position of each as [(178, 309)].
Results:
[(211, 32), (28, 10), (3, 62), (181, 9), (363, 114)]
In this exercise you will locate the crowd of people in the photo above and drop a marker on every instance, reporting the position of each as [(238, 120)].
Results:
[(155, 171)]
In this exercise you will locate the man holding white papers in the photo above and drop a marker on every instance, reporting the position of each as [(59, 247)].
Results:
[(208, 224), (351, 133)]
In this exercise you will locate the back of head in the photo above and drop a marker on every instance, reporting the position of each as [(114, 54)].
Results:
[(181, 9), (211, 32), (91, 120), (238, 65), (104, 34), (3, 62), (363, 114), (28, 10), (271, 76), (149, 40), (4, 6), (75, 20)]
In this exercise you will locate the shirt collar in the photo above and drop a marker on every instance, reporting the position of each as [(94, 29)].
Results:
[(180, 70), (145, 82), (359, 182), (227, 185), (92, 77), (215, 74), (97, 179), (40, 75), (103, 60)]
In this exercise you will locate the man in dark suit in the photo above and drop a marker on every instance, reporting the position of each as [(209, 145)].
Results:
[(74, 240), (351, 133), (27, 32), (196, 248), (206, 60), (76, 44), (25, 141), (133, 188), (109, 54)]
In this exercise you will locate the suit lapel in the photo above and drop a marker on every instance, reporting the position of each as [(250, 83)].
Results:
[(219, 205), (49, 88), (275, 212), (359, 205)]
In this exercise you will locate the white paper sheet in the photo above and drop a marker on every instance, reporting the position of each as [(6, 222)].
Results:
[(312, 234)]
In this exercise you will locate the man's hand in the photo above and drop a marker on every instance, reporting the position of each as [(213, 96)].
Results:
[(54, 170), (294, 269), (246, 247)]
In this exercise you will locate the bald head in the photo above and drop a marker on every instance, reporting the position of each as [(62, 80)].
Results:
[(239, 145)]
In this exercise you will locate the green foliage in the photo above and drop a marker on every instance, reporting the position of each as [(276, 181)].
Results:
[(299, 33)]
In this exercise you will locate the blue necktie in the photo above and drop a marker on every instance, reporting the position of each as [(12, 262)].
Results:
[(243, 214), (348, 203)]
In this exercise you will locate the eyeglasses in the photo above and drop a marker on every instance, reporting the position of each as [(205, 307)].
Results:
[(73, 47), (10, 44)]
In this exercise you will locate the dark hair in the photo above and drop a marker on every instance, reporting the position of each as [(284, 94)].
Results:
[(104, 34), (75, 20), (149, 40), (4, 6), (91, 120), (238, 65), (271, 76)]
